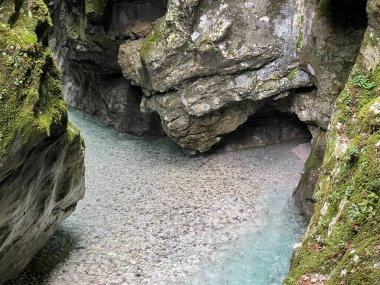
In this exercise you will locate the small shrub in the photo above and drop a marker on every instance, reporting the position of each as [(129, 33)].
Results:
[(353, 212)]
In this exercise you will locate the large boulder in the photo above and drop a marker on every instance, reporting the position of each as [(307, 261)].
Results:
[(41, 154), (207, 66)]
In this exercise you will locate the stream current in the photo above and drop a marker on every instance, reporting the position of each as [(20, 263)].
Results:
[(154, 216)]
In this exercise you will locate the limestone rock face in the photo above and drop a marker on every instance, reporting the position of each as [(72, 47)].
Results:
[(207, 66), (329, 52), (342, 241), (85, 41), (41, 154), (304, 194)]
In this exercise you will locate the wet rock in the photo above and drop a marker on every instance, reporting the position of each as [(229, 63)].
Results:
[(304, 194), (41, 154)]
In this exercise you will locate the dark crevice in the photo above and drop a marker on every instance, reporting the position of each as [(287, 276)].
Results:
[(42, 32), (266, 127), (347, 14), (120, 15), (13, 19)]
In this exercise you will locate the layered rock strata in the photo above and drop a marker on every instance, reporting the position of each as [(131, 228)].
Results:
[(41, 154)]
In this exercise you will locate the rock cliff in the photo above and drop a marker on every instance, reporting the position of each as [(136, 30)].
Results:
[(208, 66), (341, 245), (85, 40), (41, 154)]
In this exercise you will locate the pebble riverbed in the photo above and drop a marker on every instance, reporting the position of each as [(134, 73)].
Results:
[(154, 216)]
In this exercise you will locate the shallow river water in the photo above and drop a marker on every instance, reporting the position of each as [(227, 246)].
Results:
[(154, 216)]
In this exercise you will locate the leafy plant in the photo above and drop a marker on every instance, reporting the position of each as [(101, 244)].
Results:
[(349, 191), (365, 209), (348, 100), (353, 212), (335, 196), (363, 82), (352, 153), (375, 184)]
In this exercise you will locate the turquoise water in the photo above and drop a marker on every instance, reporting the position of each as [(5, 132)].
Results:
[(262, 256), (154, 216)]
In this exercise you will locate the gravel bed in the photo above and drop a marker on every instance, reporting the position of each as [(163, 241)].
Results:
[(154, 216)]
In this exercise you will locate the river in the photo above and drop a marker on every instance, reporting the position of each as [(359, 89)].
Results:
[(152, 215)]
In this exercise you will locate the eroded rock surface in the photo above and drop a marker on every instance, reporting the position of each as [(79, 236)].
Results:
[(341, 245), (41, 154), (85, 41), (208, 66)]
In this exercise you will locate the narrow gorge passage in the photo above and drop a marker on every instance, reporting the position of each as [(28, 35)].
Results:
[(153, 216)]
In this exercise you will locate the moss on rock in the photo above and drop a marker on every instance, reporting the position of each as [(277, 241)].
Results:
[(96, 7), (31, 97), (41, 159), (342, 242)]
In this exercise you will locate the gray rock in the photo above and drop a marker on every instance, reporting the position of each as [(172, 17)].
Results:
[(41, 154), (204, 59), (304, 194), (197, 64), (40, 184), (85, 43)]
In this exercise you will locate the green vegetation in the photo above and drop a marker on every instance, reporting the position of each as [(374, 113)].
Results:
[(95, 7), (363, 82), (31, 99), (343, 240), (151, 40), (299, 40), (293, 73)]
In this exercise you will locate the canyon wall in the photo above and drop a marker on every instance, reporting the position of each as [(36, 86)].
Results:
[(208, 67), (85, 40), (200, 70), (41, 154), (341, 245)]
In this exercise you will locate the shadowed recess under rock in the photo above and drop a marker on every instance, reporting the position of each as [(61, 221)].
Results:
[(266, 127)]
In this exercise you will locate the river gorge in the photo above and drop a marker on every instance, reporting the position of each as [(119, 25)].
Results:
[(166, 218), (190, 142)]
